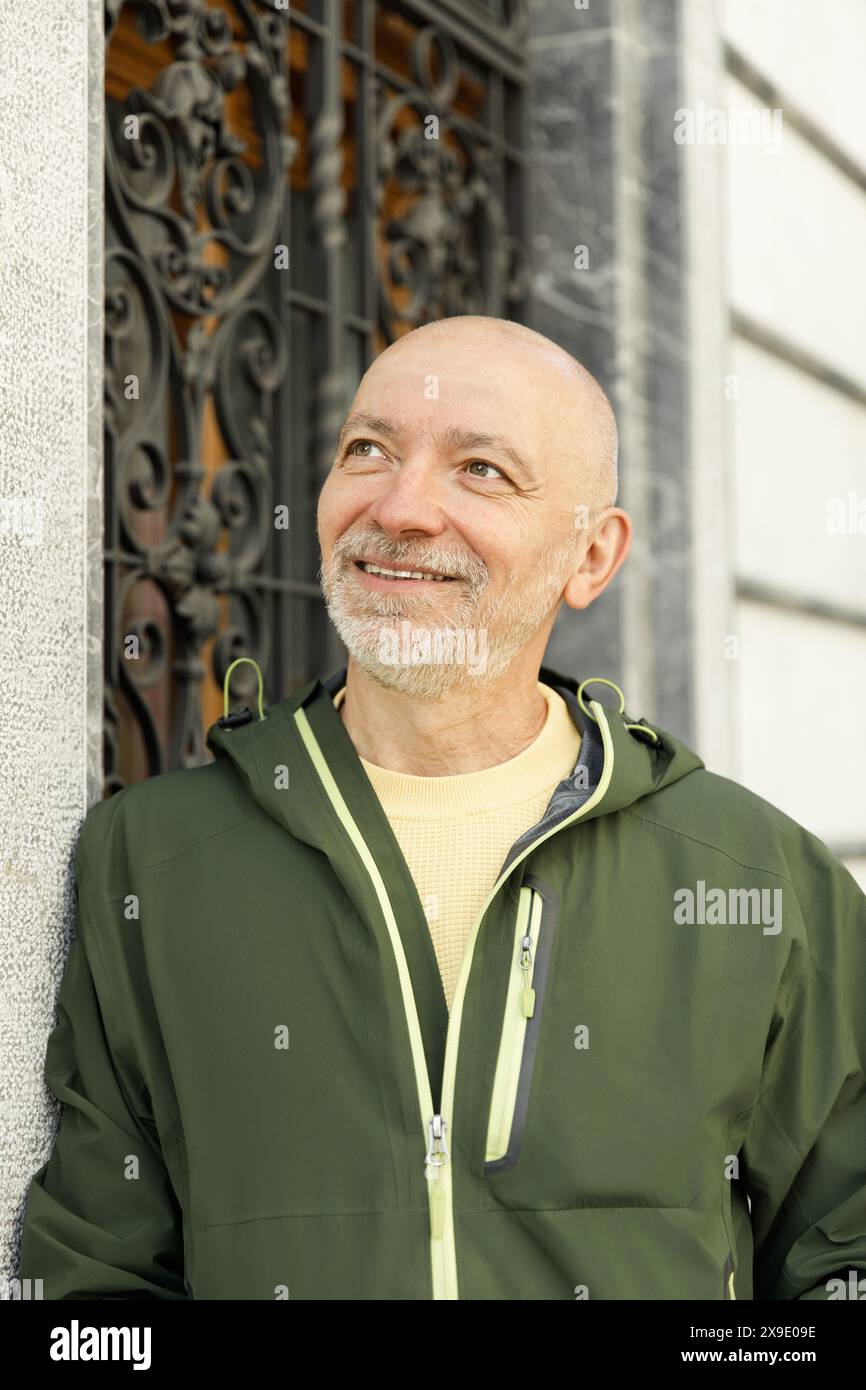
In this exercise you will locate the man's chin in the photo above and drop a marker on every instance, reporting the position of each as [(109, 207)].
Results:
[(434, 681), (383, 649)]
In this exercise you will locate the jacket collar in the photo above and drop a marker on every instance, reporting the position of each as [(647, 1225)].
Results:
[(274, 760)]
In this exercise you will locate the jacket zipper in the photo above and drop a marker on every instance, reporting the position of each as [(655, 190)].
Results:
[(729, 1271), (520, 1006), (729, 1276), (436, 1127)]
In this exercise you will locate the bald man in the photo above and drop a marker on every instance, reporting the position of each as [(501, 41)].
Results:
[(448, 979), (437, 472)]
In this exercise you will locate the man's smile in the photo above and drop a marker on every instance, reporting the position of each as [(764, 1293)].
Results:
[(381, 577)]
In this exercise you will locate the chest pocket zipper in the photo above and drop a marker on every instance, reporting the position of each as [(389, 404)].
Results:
[(527, 980)]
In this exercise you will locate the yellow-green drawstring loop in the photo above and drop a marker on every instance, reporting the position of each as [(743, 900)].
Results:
[(602, 680), (235, 663)]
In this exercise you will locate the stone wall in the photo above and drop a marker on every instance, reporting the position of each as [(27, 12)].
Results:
[(51, 238)]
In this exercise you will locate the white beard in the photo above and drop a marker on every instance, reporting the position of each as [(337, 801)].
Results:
[(490, 632)]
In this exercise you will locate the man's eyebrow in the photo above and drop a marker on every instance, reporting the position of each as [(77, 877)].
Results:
[(454, 438), (376, 424), (469, 439)]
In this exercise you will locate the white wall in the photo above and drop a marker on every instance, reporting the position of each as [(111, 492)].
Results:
[(795, 237), (798, 449), (817, 53)]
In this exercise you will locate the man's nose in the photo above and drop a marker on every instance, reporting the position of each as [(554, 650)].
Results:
[(411, 497)]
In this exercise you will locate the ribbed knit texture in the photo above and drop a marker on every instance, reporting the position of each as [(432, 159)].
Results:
[(455, 832)]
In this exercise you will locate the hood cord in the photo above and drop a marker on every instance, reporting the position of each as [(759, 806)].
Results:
[(235, 663), (602, 680)]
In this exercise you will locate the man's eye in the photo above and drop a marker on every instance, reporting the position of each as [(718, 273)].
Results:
[(482, 463), (364, 444)]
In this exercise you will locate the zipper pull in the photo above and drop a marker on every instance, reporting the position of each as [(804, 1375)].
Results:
[(527, 1002), (437, 1150), (436, 1156)]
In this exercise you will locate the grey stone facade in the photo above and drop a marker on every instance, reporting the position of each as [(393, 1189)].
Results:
[(51, 251)]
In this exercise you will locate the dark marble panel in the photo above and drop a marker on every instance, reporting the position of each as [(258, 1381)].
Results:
[(667, 373), (660, 22), (574, 167), (578, 160), (670, 513), (547, 17), (587, 642)]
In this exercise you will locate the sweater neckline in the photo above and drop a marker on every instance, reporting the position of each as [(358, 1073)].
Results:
[(535, 770)]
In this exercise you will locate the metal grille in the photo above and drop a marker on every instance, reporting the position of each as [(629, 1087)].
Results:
[(288, 191)]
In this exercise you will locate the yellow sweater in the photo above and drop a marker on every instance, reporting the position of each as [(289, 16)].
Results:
[(456, 831)]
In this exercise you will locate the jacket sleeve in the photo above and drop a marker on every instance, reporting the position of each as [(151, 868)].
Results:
[(101, 1218), (805, 1148)]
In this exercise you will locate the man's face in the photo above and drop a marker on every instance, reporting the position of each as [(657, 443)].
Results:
[(449, 463)]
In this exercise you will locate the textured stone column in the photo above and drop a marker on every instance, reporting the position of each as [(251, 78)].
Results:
[(51, 250)]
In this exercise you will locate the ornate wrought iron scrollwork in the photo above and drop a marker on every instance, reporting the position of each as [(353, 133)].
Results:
[(194, 213), (237, 128), (447, 250)]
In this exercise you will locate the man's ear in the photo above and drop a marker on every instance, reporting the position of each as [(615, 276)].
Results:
[(607, 548)]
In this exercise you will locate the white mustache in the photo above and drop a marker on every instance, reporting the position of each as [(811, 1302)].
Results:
[(440, 564)]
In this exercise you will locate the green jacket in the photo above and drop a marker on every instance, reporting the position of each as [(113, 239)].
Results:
[(660, 1018)]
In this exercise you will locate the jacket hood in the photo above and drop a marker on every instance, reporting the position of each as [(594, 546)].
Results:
[(301, 741)]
